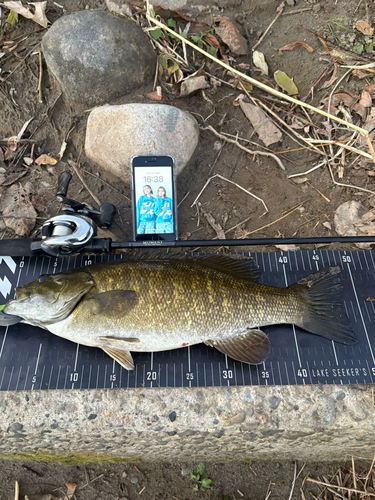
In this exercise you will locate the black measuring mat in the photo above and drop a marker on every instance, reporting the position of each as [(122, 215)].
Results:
[(32, 358)]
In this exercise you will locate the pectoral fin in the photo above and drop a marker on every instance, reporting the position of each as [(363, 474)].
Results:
[(113, 302), (251, 347), (129, 340), (123, 358)]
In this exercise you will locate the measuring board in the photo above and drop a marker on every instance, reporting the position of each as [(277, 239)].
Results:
[(32, 358)]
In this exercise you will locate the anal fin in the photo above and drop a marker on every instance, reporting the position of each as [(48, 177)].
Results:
[(123, 358), (250, 347)]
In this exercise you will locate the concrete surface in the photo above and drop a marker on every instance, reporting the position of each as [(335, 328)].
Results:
[(290, 422)]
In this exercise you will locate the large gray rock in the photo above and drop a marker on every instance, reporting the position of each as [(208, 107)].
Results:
[(115, 134), (97, 57)]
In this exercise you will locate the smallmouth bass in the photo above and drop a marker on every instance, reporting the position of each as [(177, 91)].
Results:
[(147, 303)]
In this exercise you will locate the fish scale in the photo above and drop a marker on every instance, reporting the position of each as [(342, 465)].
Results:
[(33, 358)]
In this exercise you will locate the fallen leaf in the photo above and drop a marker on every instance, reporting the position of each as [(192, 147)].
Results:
[(230, 36), (213, 42), (155, 96), (62, 150), (286, 83), (328, 225), (351, 220), (71, 487), (365, 100), (292, 46), (364, 27), (267, 131), (260, 62), (184, 236), (19, 213), (370, 89), (12, 18), (300, 180), (1, 155), (45, 160), (360, 109), (196, 81), (360, 74), (332, 80), (287, 248), (216, 227), (266, 82), (35, 13)]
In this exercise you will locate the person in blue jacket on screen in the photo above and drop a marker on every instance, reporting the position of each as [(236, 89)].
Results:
[(163, 210), (145, 212)]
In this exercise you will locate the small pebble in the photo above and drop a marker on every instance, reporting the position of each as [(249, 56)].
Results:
[(185, 471), (248, 398), (172, 416), (134, 480), (124, 474)]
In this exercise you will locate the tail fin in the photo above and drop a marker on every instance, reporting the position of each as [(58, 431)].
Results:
[(324, 314)]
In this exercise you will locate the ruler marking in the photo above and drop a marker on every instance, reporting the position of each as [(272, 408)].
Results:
[(204, 374), (273, 377), (370, 372), (360, 313), (113, 372), (279, 370), (36, 367), (18, 379), (2, 378), (10, 378), (189, 364), (286, 372), (152, 368)]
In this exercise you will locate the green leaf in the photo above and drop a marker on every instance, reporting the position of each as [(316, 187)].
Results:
[(155, 34), (201, 468), (341, 26), (171, 23), (196, 38), (369, 47), (200, 44), (2, 307), (212, 50), (12, 18), (184, 35), (206, 482), (152, 13), (196, 487), (358, 48), (163, 61), (286, 83), (194, 477)]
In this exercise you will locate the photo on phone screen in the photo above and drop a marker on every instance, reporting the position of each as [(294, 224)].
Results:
[(154, 214)]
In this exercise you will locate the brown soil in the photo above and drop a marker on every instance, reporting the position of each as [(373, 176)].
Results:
[(229, 206)]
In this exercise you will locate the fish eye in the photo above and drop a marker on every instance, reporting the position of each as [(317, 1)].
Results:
[(42, 278)]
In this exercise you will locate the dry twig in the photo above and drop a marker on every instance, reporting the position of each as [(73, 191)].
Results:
[(279, 12), (240, 187), (235, 141)]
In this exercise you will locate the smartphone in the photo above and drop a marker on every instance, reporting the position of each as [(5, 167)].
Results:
[(153, 198)]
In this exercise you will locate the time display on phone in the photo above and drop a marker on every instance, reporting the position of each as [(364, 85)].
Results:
[(153, 178)]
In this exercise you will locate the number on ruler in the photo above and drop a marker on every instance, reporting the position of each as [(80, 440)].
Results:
[(315, 257), (88, 263), (373, 370), (302, 373), (190, 376), (151, 375), (33, 380), (346, 258), (283, 260), (74, 377), (22, 263), (227, 374), (265, 374), (112, 377)]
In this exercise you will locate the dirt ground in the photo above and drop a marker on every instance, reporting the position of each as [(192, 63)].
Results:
[(54, 121), (232, 481)]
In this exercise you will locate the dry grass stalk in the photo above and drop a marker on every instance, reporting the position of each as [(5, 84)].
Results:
[(235, 184), (260, 85), (279, 12), (271, 223)]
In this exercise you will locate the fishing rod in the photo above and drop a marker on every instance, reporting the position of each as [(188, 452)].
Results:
[(73, 231)]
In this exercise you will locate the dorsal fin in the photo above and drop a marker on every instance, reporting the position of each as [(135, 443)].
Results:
[(236, 266), (239, 268)]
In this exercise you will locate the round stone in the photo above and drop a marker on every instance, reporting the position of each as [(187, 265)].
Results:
[(117, 133), (97, 57)]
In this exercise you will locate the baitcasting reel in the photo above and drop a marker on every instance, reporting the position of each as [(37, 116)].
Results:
[(75, 226)]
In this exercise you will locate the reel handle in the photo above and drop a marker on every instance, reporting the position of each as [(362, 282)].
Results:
[(62, 185)]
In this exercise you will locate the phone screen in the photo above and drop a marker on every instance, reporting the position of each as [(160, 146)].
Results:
[(154, 213)]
